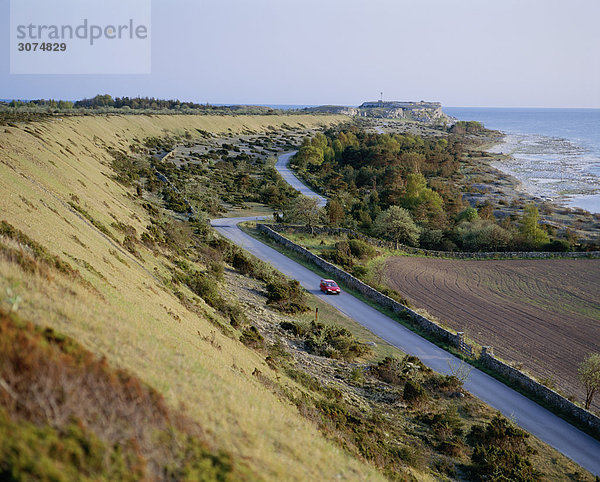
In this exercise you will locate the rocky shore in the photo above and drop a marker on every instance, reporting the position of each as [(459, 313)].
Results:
[(484, 182)]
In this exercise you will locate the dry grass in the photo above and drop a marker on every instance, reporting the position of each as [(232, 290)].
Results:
[(130, 317)]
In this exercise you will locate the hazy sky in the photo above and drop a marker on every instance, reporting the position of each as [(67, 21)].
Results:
[(524, 53)]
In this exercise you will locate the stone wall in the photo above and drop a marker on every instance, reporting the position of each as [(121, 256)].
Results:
[(438, 254), (552, 398), (542, 392)]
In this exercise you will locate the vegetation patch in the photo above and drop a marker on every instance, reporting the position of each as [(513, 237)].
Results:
[(327, 340), (65, 414)]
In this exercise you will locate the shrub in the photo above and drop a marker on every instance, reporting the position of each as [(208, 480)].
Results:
[(557, 245), (251, 337), (394, 371), (414, 393), (234, 312), (126, 171), (331, 341), (339, 258), (360, 271), (361, 249), (494, 463), (241, 262), (286, 296), (447, 425), (206, 288), (501, 451), (502, 433)]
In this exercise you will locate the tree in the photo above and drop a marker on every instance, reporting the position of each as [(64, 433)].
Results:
[(530, 227), (335, 212), (589, 375), (469, 214), (482, 235), (396, 224), (421, 200), (308, 156), (304, 210)]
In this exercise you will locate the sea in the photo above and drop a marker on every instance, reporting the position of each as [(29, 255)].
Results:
[(555, 152)]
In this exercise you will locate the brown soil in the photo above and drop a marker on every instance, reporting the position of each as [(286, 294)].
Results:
[(543, 314)]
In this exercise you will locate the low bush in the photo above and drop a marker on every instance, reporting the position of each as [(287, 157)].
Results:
[(328, 341), (414, 393), (360, 272), (558, 246), (501, 451), (251, 337), (286, 296), (395, 371), (206, 286), (361, 249)]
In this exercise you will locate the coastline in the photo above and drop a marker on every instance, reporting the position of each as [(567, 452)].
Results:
[(487, 181), (555, 152)]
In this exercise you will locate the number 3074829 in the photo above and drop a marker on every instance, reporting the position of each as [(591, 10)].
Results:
[(44, 46)]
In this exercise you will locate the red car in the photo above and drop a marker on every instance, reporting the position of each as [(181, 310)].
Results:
[(330, 287)]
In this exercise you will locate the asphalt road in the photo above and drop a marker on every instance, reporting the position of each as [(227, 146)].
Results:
[(288, 176), (538, 421)]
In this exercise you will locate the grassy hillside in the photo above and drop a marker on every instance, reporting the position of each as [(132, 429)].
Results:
[(117, 306), (106, 292)]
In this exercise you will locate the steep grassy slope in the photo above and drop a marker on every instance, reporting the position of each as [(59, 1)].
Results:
[(118, 307)]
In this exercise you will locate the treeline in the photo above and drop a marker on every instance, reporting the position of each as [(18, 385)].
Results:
[(407, 188), (106, 103), (467, 127), (140, 103)]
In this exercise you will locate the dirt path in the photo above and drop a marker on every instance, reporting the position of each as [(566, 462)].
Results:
[(544, 314)]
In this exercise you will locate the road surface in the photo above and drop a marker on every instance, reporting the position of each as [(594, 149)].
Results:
[(288, 176), (538, 421)]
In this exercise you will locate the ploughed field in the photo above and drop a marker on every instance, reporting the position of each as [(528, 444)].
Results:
[(543, 314)]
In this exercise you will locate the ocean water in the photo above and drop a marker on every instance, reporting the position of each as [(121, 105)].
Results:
[(556, 152)]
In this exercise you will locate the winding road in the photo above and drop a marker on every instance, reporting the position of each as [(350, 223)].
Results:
[(538, 421)]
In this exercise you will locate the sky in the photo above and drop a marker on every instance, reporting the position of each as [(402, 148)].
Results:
[(470, 53)]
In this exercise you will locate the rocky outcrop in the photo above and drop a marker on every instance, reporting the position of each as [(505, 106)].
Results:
[(428, 112), (333, 109)]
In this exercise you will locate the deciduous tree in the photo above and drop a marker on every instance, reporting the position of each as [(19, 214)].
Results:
[(304, 210), (530, 227), (589, 375), (396, 223)]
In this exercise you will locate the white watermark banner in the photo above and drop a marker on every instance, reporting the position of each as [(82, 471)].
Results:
[(80, 37)]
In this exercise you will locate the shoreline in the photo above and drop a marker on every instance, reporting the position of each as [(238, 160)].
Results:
[(534, 184), (503, 189)]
